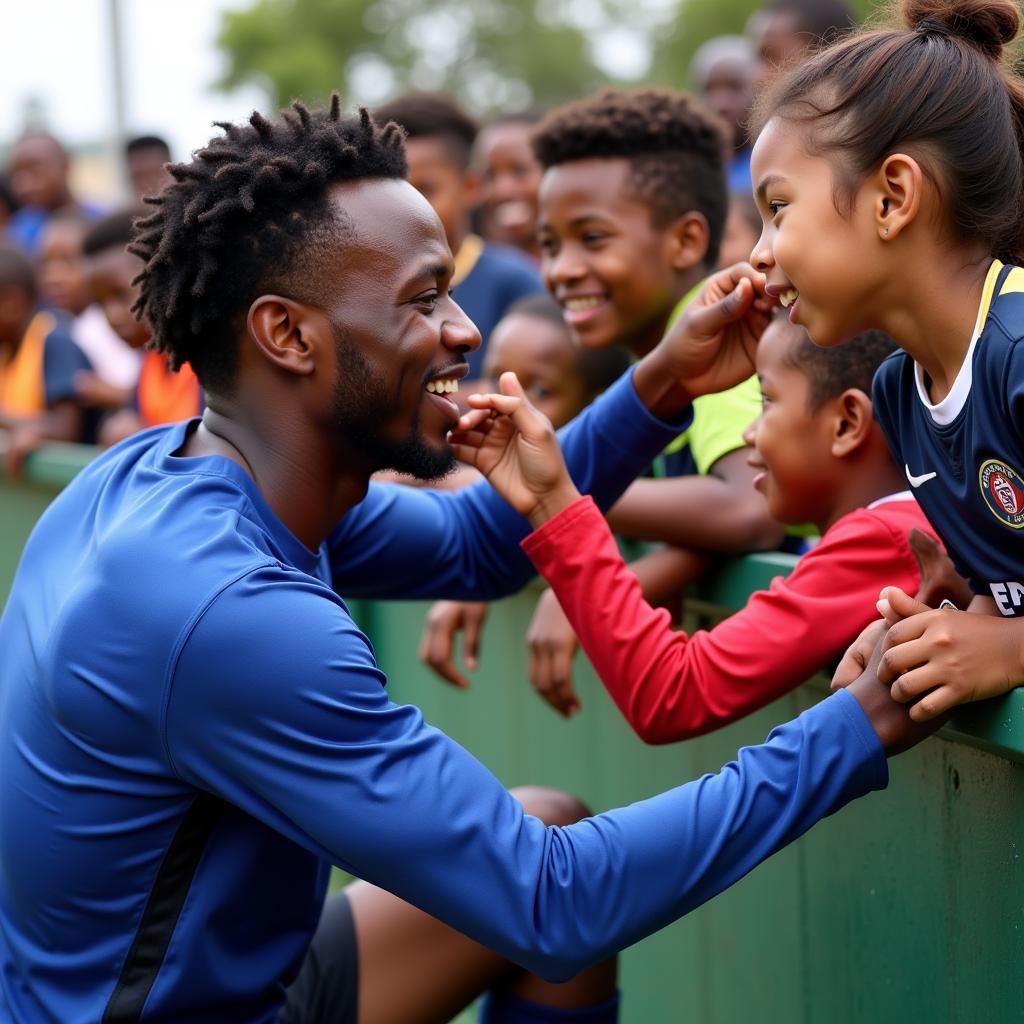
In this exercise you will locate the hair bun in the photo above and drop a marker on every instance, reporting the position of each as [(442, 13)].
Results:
[(988, 24)]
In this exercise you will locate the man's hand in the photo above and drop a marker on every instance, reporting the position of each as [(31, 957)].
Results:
[(712, 345), (858, 655), (896, 728), (950, 657), (552, 644), (437, 643), (515, 447)]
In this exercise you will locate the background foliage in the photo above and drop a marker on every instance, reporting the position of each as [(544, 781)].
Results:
[(493, 54)]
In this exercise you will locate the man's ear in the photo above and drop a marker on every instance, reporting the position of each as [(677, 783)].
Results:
[(899, 186), (287, 333), (853, 419), (687, 240)]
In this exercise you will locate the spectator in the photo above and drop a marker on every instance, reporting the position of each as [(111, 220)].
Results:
[(509, 179), (488, 277), (8, 205), (38, 363), (724, 71), (786, 31), (147, 157), (64, 286), (162, 395), (39, 181), (742, 230)]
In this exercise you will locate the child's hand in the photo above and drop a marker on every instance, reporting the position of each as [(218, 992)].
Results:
[(443, 621), (552, 644), (515, 447), (939, 579), (949, 656), (712, 346)]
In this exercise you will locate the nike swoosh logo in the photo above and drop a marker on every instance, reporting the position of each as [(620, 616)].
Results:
[(916, 481)]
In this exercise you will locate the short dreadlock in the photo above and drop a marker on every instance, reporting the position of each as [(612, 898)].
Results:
[(677, 150), (249, 214)]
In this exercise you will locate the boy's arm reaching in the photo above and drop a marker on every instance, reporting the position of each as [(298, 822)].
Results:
[(670, 686)]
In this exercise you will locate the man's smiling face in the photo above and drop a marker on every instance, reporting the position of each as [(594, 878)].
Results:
[(400, 339)]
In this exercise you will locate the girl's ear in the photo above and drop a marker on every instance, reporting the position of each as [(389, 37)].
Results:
[(853, 419), (900, 183), (687, 240)]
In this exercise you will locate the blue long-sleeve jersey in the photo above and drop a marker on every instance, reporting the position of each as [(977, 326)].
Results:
[(192, 729)]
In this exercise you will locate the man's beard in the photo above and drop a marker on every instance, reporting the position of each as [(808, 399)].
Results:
[(361, 401)]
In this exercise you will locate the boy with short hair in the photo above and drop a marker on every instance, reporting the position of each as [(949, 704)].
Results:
[(38, 364), (633, 207), (820, 457), (162, 395), (439, 144)]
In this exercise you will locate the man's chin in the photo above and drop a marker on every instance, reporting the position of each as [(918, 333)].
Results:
[(423, 462)]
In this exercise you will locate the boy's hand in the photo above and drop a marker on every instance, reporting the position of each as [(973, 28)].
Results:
[(552, 644), (515, 447), (712, 345), (939, 579), (949, 656), (437, 643)]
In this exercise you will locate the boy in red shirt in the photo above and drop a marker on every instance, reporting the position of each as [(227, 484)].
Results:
[(821, 458)]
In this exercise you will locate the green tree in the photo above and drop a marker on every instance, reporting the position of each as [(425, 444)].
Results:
[(498, 54)]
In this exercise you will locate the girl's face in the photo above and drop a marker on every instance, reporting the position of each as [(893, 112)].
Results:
[(827, 266), (544, 358)]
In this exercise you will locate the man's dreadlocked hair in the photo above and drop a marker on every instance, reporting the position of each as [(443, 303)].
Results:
[(677, 150), (238, 220)]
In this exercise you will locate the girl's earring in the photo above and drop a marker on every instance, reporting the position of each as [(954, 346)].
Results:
[(886, 231)]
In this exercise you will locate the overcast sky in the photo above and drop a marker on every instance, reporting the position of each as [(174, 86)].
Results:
[(59, 52)]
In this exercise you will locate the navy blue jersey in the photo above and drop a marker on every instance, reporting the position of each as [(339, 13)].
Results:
[(193, 729), (964, 457)]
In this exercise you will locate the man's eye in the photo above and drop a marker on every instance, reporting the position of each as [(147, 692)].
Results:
[(548, 245), (427, 299)]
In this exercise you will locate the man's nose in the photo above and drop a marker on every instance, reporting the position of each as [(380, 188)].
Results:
[(459, 333)]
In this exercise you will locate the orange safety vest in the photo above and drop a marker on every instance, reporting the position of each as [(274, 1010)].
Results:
[(165, 396), (22, 381)]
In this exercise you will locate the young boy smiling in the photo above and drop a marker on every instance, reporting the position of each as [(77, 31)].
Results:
[(820, 457)]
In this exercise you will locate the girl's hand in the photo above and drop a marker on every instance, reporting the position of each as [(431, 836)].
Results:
[(949, 656), (515, 447), (712, 345)]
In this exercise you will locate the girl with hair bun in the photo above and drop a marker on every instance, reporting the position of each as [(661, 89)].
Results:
[(890, 180)]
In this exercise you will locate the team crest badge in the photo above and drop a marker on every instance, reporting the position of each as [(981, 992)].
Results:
[(1002, 487)]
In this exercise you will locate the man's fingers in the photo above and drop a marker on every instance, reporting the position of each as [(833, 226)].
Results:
[(436, 647), (564, 697), (858, 654)]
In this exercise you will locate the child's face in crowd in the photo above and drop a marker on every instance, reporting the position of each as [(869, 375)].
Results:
[(449, 189), (39, 172), (738, 238), (61, 268), (728, 91), (110, 275), (835, 264), (544, 359), (792, 444), (509, 182), (603, 261)]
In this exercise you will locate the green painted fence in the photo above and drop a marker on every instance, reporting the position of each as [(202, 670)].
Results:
[(906, 907)]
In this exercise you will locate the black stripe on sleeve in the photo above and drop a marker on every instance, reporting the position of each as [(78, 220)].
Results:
[(163, 908)]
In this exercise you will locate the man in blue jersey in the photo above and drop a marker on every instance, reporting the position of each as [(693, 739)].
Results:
[(193, 729)]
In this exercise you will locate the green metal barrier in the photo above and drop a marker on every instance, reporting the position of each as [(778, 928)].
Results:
[(906, 906)]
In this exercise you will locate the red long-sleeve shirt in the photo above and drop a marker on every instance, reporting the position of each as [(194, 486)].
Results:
[(671, 686)]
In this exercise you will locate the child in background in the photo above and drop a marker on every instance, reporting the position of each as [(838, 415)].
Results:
[(890, 177), (509, 180), (111, 382), (161, 395), (561, 380), (742, 230), (488, 278), (38, 364), (821, 458)]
